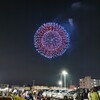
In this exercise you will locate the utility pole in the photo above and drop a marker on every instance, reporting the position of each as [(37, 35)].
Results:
[(33, 82)]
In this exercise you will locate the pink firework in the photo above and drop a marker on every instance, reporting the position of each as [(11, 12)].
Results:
[(51, 40)]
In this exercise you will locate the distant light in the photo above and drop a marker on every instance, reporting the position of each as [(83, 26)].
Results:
[(94, 82), (64, 72), (94, 79), (60, 82), (81, 79), (95, 85), (75, 88)]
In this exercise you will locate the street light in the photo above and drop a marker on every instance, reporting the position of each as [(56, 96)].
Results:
[(60, 83), (64, 73)]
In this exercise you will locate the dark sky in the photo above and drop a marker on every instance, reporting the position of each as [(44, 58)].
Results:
[(19, 61)]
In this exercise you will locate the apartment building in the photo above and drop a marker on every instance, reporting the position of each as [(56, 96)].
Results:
[(88, 82)]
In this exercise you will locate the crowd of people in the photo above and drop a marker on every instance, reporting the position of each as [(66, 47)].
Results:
[(23, 94), (88, 94), (85, 94)]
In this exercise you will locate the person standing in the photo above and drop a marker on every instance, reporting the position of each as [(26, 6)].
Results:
[(94, 94), (89, 94)]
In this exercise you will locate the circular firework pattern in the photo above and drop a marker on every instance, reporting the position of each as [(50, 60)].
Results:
[(51, 40)]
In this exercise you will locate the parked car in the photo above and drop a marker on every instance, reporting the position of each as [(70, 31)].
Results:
[(62, 94), (56, 93), (44, 94), (47, 93)]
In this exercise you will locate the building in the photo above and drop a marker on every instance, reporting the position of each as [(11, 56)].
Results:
[(95, 82), (88, 82)]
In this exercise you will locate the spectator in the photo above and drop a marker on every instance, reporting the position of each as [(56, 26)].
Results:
[(94, 94), (89, 94)]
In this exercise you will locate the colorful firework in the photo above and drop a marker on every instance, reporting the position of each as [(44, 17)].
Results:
[(51, 40)]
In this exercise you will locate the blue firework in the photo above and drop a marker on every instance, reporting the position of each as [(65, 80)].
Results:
[(51, 40)]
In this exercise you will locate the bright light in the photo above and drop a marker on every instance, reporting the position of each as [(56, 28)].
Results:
[(60, 82), (64, 72)]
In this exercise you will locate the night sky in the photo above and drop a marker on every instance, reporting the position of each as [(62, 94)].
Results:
[(20, 63)]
